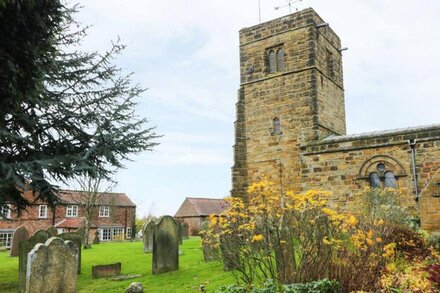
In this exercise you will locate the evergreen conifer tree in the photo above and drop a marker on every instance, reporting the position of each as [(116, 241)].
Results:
[(63, 112)]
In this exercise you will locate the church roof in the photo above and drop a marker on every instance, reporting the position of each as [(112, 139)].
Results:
[(195, 207), (383, 133)]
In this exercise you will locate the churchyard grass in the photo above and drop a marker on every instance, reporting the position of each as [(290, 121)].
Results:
[(192, 273)]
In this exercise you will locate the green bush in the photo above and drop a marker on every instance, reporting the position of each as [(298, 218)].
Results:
[(321, 286), (434, 240)]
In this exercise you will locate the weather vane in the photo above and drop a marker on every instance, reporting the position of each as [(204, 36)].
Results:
[(289, 4)]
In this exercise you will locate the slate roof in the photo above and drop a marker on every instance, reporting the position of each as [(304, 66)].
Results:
[(195, 207), (104, 198), (374, 134)]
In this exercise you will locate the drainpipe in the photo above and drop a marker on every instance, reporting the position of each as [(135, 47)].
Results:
[(412, 144)]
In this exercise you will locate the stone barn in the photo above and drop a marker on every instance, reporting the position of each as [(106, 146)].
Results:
[(194, 211)]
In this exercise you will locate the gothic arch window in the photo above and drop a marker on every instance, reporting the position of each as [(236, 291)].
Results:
[(330, 64), (280, 59), (272, 62), (375, 180), (275, 59), (276, 129), (390, 180)]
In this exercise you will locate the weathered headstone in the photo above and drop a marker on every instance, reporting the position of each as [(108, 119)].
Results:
[(147, 236), (179, 226), (19, 235), (96, 239), (82, 232), (165, 245), (25, 247), (51, 267), (53, 232), (76, 238), (110, 270), (185, 229)]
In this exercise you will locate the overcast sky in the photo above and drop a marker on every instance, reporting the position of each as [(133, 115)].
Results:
[(186, 53)]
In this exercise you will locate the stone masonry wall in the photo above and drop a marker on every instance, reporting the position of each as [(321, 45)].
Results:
[(290, 94), (342, 165)]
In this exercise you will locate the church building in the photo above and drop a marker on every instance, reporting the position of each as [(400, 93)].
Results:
[(291, 127)]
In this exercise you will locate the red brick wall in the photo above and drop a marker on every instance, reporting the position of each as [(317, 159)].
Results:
[(123, 217)]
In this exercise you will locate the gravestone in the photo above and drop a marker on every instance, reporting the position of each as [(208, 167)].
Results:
[(110, 270), (53, 232), (96, 239), (25, 247), (209, 253), (185, 229), (147, 236), (19, 235), (179, 226), (82, 232), (76, 238), (51, 267), (166, 245)]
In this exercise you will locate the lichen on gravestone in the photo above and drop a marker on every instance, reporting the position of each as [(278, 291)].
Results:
[(51, 267)]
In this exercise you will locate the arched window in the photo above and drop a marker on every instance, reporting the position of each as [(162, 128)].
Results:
[(375, 180), (382, 177), (276, 126), (390, 180), (272, 62), (280, 59)]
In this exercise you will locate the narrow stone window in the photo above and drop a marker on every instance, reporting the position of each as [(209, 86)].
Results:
[(330, 64), (390, 180), (375, 180), (272, 62), (280, 59), (276, 126)]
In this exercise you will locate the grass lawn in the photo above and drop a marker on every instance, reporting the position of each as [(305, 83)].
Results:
[(193, 271)]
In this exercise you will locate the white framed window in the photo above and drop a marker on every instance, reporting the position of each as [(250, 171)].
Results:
[(5, 211), (128, 233), (104, 211), (6, 238), (60, 230), (118, 234), (105, 234), (72, 211), (42, 211)]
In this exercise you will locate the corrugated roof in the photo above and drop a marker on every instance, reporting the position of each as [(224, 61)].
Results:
[(195, 206), (374, 134), (104, 198)]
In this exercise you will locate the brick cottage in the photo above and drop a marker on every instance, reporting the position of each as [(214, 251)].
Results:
[(113, 216)]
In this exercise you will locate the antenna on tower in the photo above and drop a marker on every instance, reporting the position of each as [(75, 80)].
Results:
[(289, 4)]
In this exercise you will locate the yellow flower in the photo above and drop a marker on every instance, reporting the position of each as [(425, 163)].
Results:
[(352, 221), (379, 240), (257, 237), (283, 242), (326, 241)]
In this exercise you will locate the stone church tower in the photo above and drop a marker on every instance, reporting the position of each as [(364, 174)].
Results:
[(291, 93), (290, 124)]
